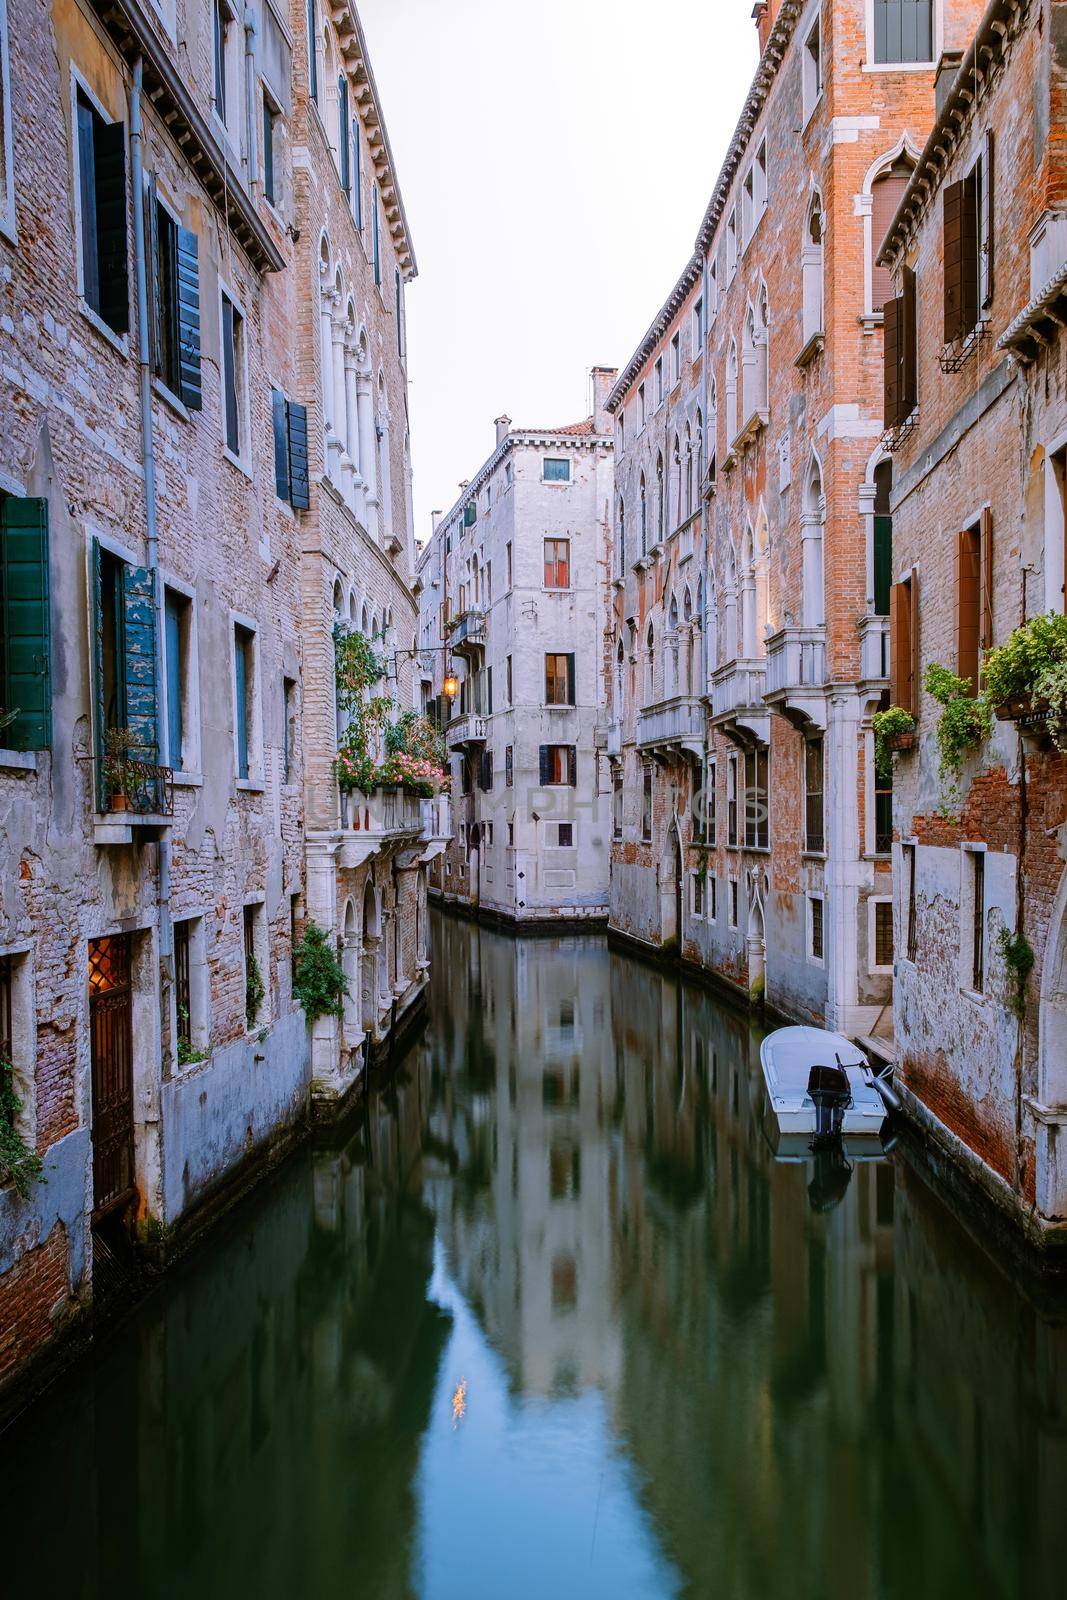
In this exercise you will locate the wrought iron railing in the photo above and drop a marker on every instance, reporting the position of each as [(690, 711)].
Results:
[(143, 788)]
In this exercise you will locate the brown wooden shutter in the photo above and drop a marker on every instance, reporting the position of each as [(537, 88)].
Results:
[(987, 580), (968, 582), (952, 207), (987, 229), (886, 194), (961, 257), (912, 587), (899, 652), (908, 395), (891, 333)]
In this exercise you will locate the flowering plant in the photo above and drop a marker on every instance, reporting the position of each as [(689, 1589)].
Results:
[(355, 769)]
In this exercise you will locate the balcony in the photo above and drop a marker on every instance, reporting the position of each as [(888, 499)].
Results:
[(466, 633), (467, 729), (437, 827), (796, 675), (613, 742), (737, 706), (672, 728), (136, 801), (874, 651), (369, 821)]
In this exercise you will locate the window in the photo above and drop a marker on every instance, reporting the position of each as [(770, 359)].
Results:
[(640, 406), (470, 513), (734, 908), (485, 771), (658, 374), (754, 193), (509, 767), (558, 766), (556, 470), (233, 377), (713, 290), (357, 175), (977, 907), (812, 272), (698, 328), (900, 346), (883, 933), (887, 191), (883, 807), (181, 718), (376, 242), (731, 245), (557, 563), (559, 680), (271, 117), (968, 248), (713, 897), (288, 727), (559, 835), (255, 965), (974, 597), (25, 624), (814, 839), (616, 805), (731, 802), (313, 65), (508, 690), (344, 157), (646, 804), (757, 804), (226, 51), (904, 643), (912, 934), (903, 31), (676, 359), (174, 302), (696, 899), (102, 215), (710, 814), (123, 669), (811, 68), (245, 687), (507, 565), (620, 563), (290, 450), (815, 927), (191, 992)]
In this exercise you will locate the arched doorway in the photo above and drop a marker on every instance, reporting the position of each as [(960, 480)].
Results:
[(670, 896), (1052, 1077), (369, 960), (350, 964)]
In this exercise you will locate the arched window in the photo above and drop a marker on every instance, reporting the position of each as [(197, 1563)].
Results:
[(813, 271), (661, 502), (644, 517), (700, 455), (670, 658), (622, 537), (887, 191), (344, 160), (754, 359), (650, 666), (688, 471), (676, 483), (731, 395), (730, 598), (811, 534)]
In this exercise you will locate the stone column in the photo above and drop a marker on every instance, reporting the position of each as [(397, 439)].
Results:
[(326, 299), (337, 440), (813, 611), (354, 485), (367, 447), (845, 873), (387, 530), (749, 642)]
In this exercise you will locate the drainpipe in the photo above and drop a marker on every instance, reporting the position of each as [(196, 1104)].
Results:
[(148, 449), (251, 142)]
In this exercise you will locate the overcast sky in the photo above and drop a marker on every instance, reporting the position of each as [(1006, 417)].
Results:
[(555, 159)]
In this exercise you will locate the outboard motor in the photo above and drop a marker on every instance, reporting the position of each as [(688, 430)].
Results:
[(830, 1178), (831, 1095)]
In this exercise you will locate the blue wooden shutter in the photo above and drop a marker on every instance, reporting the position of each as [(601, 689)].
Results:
[(24, 597), (544, 775), (299, 495), (96, 624), (241, 685), (342, 132), (313, 65), (140, 693), (192, 394), (280, 417), (110, 162), (357, 176), (173, 626), (571, 698)]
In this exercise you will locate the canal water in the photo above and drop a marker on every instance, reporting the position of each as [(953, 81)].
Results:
[(553, 1322)]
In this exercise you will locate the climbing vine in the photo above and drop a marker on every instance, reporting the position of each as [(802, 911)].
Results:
[(19, 1164), (254, 990), (1018, 956), (319, 982), (966, 720)]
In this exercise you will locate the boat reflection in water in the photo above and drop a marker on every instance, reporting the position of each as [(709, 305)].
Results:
[(555, 1320)]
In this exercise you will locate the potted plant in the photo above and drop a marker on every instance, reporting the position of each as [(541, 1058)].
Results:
[(118, 743), (1026, 677), (319, 981), (894, 729), (966, 720)]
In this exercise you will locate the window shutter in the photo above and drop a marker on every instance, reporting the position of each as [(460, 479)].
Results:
[(967, 593), (489, 691), (342, 129), (986, 637), (951, 208), (357, 176), (139, 666), (152, 273), (24, 599), (544, 774), (988, 221), (891, 336), (172, 623), (908, 394), (299, 492), (110, 158), (961, 257), (912, 587), (900, 650), (279, 411), (192, 395), (571, 698), (96, 613), (241, 696), (883, 564), (572, 766)]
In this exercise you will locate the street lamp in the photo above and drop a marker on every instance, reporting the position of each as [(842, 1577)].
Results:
[(451, 686)]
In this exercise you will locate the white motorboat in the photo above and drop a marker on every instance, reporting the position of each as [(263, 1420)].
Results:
[(821, 1085)]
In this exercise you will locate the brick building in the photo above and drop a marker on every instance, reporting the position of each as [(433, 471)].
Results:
[(749, 630), (976, 409), (171, 549), (512, 598)]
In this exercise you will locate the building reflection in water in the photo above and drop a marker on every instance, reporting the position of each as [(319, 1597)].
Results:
[(808, 1402)]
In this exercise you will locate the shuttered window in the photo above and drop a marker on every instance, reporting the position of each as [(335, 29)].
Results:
[(559, 680), (25, 625), (376, 232), (290, 450), (904, 643), (232, 375), (901, 353), (313, 65), (757, 800), (125, 692), (270, 121), (244, 667), (974, 597), (558, 765), (887, 191), (342, 133), (557, 563), (485, 776), (961, 231), (102, 215), (357, 176), (173, 301), (903, 30), (174, 620)]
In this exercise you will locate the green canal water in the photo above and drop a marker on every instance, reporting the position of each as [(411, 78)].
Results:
[(553, 1322)]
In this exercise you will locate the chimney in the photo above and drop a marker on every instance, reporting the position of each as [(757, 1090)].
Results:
[(435, 517), (603, 383), (503, 427), (765, 14), (947, 68)]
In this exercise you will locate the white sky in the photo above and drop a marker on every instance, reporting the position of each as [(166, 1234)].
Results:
[(555, 158)]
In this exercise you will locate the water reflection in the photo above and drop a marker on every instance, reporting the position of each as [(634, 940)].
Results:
[(555, 1321)]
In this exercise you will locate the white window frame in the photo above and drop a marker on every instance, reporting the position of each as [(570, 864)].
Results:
[(257, 903), (190, 775), (8, 218), (809, 927), (968, 850), (871, 65), (694, 880), (255, 780), (676, 358), (243, 461), (199, 989), (120, 341), (872, 966), (813, 73), (733, 903), (642, 408), (659, 383), (24, 1035), (232, 73), (698, 326)]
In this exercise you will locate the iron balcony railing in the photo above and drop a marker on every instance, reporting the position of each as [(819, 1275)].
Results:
[(139, 788)]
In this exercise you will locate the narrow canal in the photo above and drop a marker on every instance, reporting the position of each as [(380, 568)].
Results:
[(553, 1322)]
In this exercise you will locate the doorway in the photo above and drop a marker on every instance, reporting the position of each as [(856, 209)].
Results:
[(111, 1050)]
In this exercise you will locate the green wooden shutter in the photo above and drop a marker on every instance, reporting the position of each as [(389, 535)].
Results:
[(110, 162), (140, 692), (883, 564), (571, 696), (280, 419), (342, 129), (173, 629), (24, 599), (299, 491), (241, 688), (192, 394)]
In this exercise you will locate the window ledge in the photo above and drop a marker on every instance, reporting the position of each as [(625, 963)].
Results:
[(188, 780), (164, 392), (871, 320), (18, 760), (235, 461), (813, 855), (898, 66), (250, 785), (117, 341), (813, 348)]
